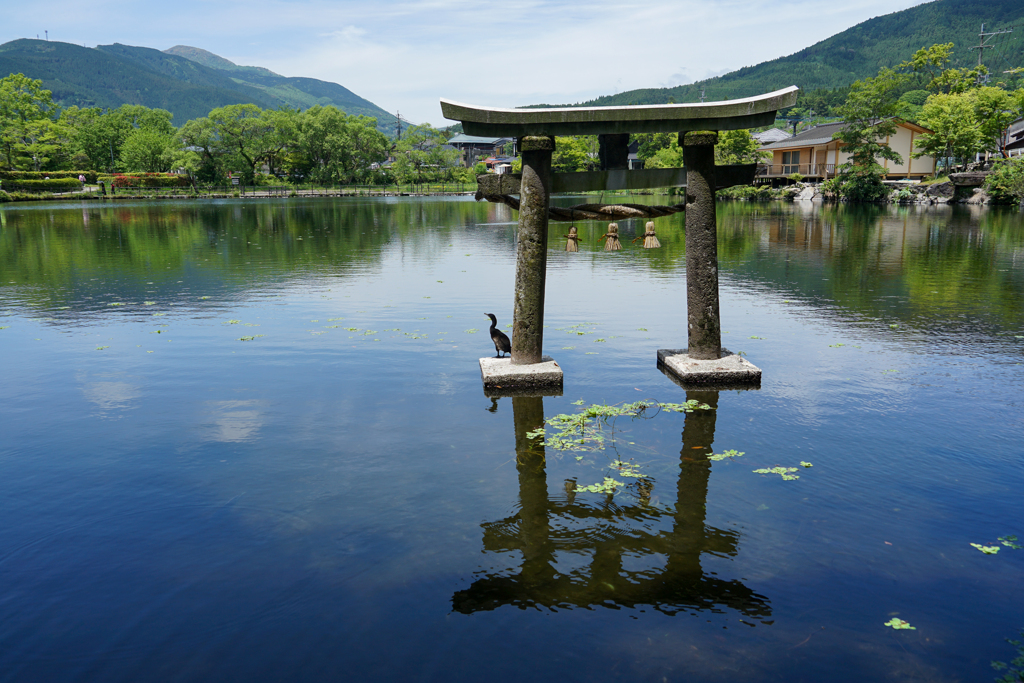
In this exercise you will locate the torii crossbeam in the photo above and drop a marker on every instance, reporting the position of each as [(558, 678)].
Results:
[(535, 129)]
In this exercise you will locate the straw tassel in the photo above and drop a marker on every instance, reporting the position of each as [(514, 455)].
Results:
[(572, 240), (650, 239), (611, 238)]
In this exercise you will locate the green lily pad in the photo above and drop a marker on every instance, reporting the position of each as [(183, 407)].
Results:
[(725, 455), (899, 624), (987, 549)]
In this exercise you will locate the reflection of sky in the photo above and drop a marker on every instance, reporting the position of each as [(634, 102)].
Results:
[(109, 396), (235, 420)]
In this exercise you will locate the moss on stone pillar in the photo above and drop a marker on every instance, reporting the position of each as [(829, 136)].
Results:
[(532, 250), (704, 329)]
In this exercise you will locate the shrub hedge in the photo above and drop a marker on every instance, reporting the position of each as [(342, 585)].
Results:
[(90, 176), (147, 180), (36, 186)]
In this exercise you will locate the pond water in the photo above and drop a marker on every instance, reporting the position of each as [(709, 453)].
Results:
[(248, 441)]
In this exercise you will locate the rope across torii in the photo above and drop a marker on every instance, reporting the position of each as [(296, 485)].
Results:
[(536, 130)]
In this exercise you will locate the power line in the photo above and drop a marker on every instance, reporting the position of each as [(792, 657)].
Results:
[(983, 45)]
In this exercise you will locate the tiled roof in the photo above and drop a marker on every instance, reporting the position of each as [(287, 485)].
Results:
[(772, 135), (818, 135), (463, 139)]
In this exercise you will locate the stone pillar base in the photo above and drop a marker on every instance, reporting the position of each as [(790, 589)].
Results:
[(729, 370), (499, 374)]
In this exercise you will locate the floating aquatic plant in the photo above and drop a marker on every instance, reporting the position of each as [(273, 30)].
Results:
[(785, 472), (1010, 542), (725, 455), (607, 486), (627, 469), (899, 624), (1015, 669), (987, 549), (584, 430), (249, 338)]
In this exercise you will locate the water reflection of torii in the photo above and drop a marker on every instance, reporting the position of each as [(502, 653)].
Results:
[(544, 527)]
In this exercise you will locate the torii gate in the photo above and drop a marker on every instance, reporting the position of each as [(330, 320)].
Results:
[(704, 360)]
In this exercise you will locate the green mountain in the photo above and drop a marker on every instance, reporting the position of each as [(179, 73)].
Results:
[(112, 75), (858, 52), (295, 92), (201, 56)]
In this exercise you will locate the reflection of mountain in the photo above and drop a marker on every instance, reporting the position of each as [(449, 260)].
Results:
[(578, 554)]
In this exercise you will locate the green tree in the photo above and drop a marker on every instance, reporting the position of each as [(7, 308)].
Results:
[(28, 134), (956, 134), (247, 135), (148, 151), (667, 157), (574, 153), (199, 153), (995, 109), (868, 116), (738, 147), (933, 62), (421, 156), (651, 143), (97, 135)]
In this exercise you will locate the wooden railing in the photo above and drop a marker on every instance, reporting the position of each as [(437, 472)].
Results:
[(821, 170)]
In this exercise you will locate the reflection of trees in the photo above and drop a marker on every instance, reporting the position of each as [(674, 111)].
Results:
[(857, 258), (553, 534), (59, 251)]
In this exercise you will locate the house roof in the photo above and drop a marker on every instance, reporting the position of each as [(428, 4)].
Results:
[(771, 135), (818, 135), (822, 135), (463, 139)]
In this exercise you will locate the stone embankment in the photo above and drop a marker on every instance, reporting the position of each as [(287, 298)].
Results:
[(962, 188)]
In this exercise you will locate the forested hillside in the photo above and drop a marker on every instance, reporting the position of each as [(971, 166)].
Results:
[(296, 92), (112, 75), (207, 58), (96, 78), (859, 51)]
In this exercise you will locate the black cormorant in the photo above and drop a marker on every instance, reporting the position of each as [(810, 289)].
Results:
[(500, 339)]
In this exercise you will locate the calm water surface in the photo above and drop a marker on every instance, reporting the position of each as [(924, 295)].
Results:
[(247, 441)]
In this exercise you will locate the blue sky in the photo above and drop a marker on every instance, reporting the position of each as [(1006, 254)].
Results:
[(405, 55)]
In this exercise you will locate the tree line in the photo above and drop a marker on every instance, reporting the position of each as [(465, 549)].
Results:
[(322, 144)]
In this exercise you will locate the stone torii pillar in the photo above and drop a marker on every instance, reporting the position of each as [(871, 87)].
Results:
[(703, 318), (532, 250)]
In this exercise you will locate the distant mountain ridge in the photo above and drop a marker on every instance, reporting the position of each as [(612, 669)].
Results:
[(112, 75), (859, 51), (206, 58)]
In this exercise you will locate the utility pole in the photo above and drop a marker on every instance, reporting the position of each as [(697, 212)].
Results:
[(983, 45), (398, 126)]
